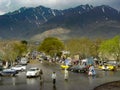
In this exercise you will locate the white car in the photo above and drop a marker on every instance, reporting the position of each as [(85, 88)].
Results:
[(24, 61), (33, 72), (19, 68)]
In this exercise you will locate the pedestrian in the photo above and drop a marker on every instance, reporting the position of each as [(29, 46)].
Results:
[(91, 70), (66, 74), (54, 78), (41, 74)]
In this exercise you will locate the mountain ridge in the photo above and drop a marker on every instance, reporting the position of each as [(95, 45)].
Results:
[(26, 23)]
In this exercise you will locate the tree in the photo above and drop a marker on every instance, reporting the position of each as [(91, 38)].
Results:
[(81, 46), (111, 47), (20, 47), (51, 46), (7, 52), (24, 42), (11, 49), (94, 49)]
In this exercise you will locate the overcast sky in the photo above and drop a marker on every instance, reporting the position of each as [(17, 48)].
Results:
[(11, 5)]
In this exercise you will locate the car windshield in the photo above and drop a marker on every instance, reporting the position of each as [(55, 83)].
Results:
[(18, 66), (33, 69)]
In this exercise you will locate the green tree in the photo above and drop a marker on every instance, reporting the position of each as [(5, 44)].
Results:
[(20, 47), (110, 47), (24, 42), (94, 49), (8, 54), (81, 46), (11, 49), (51, 46)]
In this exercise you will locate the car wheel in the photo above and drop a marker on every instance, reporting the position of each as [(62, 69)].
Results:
[(22, 69), (79, 71), (12, 75), (1, 75)]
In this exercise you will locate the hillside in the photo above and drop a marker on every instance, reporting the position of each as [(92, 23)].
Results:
[(40, 22)]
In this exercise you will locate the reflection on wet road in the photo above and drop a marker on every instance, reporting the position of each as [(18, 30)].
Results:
[(76, 81)]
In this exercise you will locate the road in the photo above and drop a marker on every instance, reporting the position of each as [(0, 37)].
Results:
[(76, 81)]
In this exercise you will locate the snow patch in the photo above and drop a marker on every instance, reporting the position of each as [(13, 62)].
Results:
[(19, 11), (96, 22), (106, 18), (53, 12), (28, 20), (37, 24), (35, 17), (44, 18), (49, 11), (11, 28), (103, 9), (62, 13), (43, 13), (84, 7)]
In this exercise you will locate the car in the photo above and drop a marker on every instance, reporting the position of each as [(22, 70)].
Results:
[(79, 68), (109, 67), (8, 72), (33, 72), (19, 68), (64, 66), (24, 61)]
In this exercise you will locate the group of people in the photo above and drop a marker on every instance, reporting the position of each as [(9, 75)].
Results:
[(66, 75), (54, 76)]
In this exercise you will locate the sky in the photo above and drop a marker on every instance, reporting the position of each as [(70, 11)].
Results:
[(12, 5)]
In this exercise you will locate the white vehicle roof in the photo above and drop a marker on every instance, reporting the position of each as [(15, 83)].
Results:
[(33, 69)]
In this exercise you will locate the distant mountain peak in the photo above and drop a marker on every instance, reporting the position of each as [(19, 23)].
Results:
[(38, 20), (17, 11)]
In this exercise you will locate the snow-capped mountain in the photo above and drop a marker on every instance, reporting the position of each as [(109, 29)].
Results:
[(25, 23)]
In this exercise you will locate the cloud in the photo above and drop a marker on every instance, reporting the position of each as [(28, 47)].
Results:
[(11, 5)]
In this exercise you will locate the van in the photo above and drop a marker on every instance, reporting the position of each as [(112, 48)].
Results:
[(24, 61)]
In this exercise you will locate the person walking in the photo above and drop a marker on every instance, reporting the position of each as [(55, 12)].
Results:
[(54, 78), (41, 74), (91, 70), (66, 74)]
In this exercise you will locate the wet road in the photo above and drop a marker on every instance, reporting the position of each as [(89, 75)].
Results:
[(77, 81)]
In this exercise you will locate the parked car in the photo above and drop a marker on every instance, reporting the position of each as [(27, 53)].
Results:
[(23, 61), (107, 67), (64, 66), (19, 68), (33, 72), (79, 68), (8, 72)]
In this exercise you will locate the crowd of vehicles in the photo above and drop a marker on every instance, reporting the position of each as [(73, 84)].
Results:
[(83, 66), (109, 67), (13, 71)]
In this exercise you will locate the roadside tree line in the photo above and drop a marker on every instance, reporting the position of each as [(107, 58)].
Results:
[(103, 49), (10, 49), (84, 47)]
